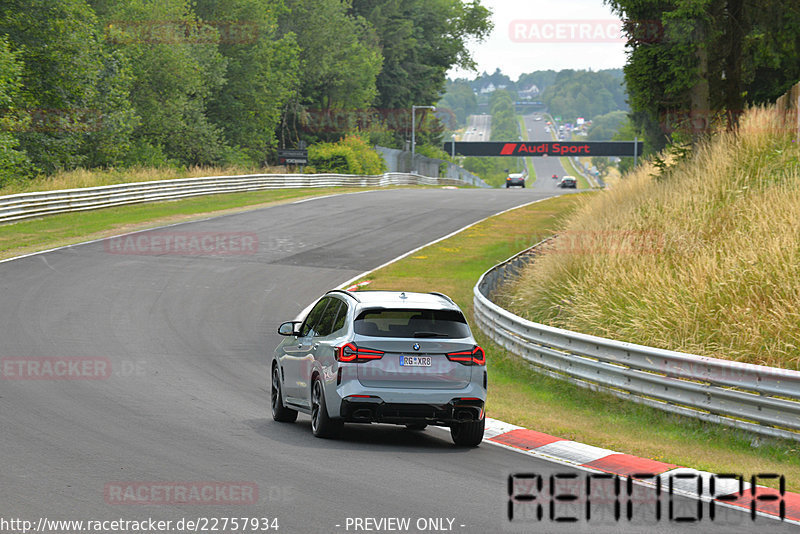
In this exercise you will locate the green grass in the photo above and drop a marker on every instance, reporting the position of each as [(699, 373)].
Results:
[(521, 396), (33, 235)]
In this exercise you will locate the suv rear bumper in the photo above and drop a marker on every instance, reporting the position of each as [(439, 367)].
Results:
[(375, 410)]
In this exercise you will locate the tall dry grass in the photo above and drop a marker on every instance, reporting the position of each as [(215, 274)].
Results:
[(80, 178), (705, 259)]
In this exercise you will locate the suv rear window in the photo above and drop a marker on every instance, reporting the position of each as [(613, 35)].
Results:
[(385, 322)]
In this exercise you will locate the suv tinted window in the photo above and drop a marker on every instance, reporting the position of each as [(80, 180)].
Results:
[(341, 318), (411, 323), (327, 320), (313, 318)]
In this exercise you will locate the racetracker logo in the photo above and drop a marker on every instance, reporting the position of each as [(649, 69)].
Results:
[(55, 368), (584, 31), (635, 242), (169, 493), (126, 32), (51, 120), (393, 120), (184, 244)]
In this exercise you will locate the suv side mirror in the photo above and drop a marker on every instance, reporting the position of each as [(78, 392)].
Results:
[(289, 328)]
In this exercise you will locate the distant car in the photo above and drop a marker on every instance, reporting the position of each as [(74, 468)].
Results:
[(481, 134), (555, 177), (516, 179), (381, 357), (568, 181), (538, 118)]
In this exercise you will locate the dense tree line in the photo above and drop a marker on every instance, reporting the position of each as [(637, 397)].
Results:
[(605, 127), (580, 93), (566, 93), (695, 65), (101, 83), (460, 99)]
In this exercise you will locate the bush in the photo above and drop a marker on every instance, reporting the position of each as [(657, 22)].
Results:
[(351, 155)]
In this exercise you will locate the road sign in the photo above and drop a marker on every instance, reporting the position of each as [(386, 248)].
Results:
[(543, 148), (292, 157)]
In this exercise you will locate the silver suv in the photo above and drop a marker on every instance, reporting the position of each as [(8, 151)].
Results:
[(381, 357)]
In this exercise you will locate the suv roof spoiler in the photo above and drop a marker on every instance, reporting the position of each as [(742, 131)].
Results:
[(445, 297), (348, 293)]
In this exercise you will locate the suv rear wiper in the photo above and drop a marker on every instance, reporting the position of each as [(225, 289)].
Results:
[(429, 334)]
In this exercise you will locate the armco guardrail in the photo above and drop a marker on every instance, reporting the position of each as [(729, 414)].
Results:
[(28, 205), (757, 398)]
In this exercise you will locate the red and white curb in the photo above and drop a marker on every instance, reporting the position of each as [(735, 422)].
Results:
[(727, 491)]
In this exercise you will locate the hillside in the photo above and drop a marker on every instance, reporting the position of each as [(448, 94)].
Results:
[(703, 257)]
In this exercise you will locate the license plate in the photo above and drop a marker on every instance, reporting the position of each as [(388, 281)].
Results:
[(415, 361)]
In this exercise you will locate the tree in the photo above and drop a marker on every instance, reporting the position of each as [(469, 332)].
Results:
[(421, 40), (460, 99), (261, 73), (339, 64), (63, 63), (604, 127), (540, 78), (585, 93), (709, 59), (176, 68), (14, 162), (340, 58)]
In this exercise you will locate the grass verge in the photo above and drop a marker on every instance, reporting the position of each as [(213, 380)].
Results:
[(59, 230), (701, 255), (519, 395)]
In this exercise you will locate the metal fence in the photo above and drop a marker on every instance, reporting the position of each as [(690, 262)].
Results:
[(400, 161), (756, 398), (29, 205)]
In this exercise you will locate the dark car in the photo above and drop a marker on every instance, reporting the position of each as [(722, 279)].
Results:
[(516, 179)]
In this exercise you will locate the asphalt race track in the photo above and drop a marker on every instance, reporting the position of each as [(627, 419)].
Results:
[(545, 167), (186, 404)]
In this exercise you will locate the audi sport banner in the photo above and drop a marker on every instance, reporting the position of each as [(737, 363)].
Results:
[(542, 148)]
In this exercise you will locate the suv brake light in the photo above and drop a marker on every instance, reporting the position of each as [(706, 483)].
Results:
[(355, 354), (476, 356)]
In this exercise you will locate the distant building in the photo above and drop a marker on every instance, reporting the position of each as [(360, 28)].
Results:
[(530, 93)]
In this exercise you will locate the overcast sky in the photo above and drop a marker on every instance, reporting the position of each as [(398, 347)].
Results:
[(534, 35)]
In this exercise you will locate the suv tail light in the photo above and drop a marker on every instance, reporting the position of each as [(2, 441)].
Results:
[(355, 354), (476, 356)]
